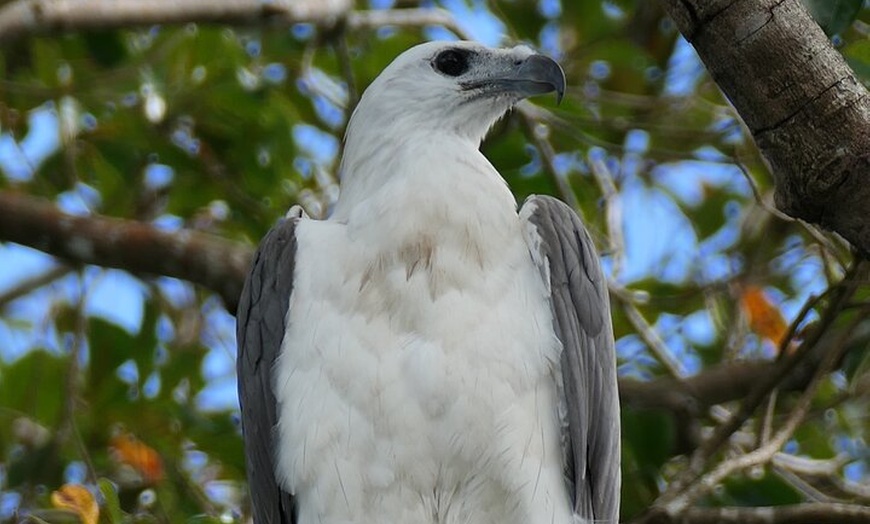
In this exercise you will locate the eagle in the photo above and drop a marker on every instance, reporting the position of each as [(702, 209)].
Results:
[(430, 353)]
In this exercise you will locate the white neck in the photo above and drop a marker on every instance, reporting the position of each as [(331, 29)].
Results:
[(425, 187)]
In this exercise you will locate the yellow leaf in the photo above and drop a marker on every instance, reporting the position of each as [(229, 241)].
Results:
[(79, 500), (144, 459), (764, 318)]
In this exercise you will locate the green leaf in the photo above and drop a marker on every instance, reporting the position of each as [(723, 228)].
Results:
[(767, 490), (648, 439), (112, 503), (834, 15), (651, 435), (33, 386), (858, 56), (106, 47), (110, 347)]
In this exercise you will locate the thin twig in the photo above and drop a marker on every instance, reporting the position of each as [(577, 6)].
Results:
[(613, 212), (653, 341), (765, 453), (842, 294), (809, 466), (813, 231), (535, 131), (767, 420), (33, 283), (346, 66), (807, 513)]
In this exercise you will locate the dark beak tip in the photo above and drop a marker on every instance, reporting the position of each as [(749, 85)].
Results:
[(560, 91), (548, 71), (561, 84)]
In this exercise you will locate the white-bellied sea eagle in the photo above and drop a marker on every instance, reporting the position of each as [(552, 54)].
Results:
[(429, 354)]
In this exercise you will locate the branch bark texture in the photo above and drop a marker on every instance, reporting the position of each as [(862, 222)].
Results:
[(23, 17), (806, 109), (210, 261)]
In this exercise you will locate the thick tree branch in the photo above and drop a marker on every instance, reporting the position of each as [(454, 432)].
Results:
[(23, 17), (215, 263), (715, 385), (807, 111), (815, 513)]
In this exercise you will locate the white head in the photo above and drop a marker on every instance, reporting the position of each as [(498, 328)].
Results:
[(436, 93), (458, 87)]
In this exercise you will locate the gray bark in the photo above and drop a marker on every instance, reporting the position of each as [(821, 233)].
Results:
[(808, 113)]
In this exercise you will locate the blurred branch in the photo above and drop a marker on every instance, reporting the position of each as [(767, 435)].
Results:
[(813, 346), (813, 513), (218, 264), (613, 212), (537, 131), (826, 243), (653, 341), (764, 453), (21, 18), (25, 287), (715, 385), (809, 466)]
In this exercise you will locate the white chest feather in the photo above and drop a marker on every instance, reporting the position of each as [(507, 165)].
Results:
[(416, 374)]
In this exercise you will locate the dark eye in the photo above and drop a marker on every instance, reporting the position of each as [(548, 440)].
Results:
[(452, 62)]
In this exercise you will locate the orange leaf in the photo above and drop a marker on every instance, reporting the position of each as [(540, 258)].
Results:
[(765, 319), (130, 450), (79, 500)]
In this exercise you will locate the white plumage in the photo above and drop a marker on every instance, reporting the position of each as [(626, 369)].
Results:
[(420, 376)]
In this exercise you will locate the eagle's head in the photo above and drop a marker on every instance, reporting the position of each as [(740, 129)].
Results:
[(455, 87)]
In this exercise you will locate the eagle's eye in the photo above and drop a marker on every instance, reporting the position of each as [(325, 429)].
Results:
[(452, 62)]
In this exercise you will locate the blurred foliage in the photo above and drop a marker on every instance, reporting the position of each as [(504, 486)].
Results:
[(222, 130)]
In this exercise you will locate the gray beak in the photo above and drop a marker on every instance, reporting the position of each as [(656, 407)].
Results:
[(521, 78), (537, 75)]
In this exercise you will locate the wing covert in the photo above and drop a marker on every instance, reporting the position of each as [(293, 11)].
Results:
[(260, 325), (581, 320)]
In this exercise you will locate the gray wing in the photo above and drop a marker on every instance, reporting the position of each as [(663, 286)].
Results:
[(260, 325), (581, 319)]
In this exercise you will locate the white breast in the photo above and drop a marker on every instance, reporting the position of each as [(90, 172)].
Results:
[(415, 380)]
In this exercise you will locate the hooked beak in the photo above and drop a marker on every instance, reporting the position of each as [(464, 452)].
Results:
[(533, 75), (538, 75)]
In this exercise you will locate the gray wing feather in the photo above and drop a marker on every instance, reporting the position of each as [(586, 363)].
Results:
[(260, 325), (581, 319)]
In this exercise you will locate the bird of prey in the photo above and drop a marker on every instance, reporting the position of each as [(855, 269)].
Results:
[(429, 354)]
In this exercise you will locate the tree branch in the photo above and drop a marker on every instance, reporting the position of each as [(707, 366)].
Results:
[(33, 283), (765, 452), (718, 384), (24, 17), (216, 263), (806, 109), (808, 355), (814, 513), (21, 18)]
